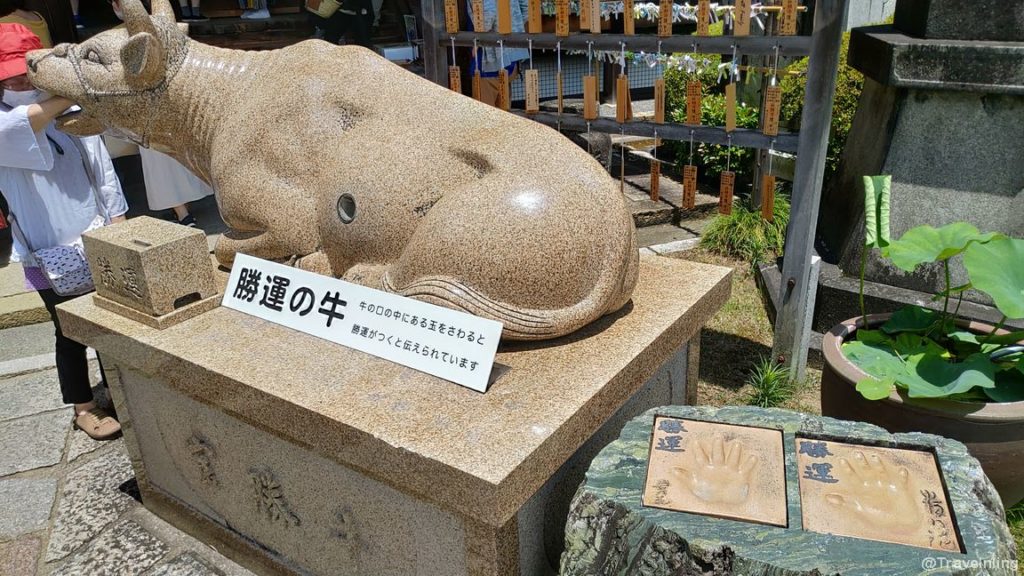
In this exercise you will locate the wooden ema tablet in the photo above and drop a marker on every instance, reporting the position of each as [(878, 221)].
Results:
[(477, 7), (623, 108), (628, 18), (595, 16), (531, 80), (665, 18), (504, 93), (476, 84), (725, 191), (883, 494), (768, 197), (741, 18), (455, 79), (534, 22), (584, 7), (655, 179), (693, 102), (558, 89), (689, 187), (561, 18), (659, 100), (590, 97), (715, 469), (451, 16), (703, 17), (772, 103), (504, 17), (730, 107), (787, 18)]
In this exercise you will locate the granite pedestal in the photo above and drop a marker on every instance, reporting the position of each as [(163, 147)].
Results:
[(295, 455), (942, 111)]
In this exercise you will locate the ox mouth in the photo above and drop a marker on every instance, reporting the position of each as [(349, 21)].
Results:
[(78, 123)]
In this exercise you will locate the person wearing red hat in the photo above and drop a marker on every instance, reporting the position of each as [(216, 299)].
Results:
[(57, 186)]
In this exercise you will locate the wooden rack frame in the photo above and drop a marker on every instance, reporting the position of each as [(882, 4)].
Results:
[(799, 271)]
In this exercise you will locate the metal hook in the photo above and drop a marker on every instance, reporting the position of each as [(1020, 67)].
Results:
[(529, 44)]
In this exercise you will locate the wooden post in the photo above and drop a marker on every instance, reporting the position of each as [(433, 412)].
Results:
[(435, 59), (799, 286)]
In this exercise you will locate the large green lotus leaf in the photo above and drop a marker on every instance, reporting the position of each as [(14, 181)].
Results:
[(907, 344), (929, 244), (875, 389), (997, 269), (1009, 385), (876, 211), (934, 377), (910, 319), (1003, 339), (872, 336)]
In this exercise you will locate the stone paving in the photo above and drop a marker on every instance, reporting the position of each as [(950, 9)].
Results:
[(70, 505)]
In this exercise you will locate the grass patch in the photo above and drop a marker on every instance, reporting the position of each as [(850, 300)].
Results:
[(747, 236), (1015, 518), (770, 384)]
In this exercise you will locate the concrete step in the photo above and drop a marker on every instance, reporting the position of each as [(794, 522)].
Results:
[(668, 208)]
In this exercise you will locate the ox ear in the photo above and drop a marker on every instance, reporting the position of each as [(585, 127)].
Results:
[(143, 60)]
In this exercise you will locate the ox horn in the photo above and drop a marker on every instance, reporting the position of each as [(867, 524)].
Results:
[(163, 8), (136, 19)]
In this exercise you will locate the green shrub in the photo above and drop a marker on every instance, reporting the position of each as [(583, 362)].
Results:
[(770, 384), (745, 234), (849, 84), (711, 159), (676, 79)]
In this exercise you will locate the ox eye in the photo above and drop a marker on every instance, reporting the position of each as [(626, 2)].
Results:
[(93, 56)]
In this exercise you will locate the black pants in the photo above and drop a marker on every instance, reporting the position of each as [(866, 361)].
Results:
[(359, 24), (72, 367)]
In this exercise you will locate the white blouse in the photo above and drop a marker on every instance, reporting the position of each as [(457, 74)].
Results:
[(46, 185)]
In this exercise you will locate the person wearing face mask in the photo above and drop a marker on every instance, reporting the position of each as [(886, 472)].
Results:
[(57, 187)]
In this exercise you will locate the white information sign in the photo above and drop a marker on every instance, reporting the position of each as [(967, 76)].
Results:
[(446, 343)]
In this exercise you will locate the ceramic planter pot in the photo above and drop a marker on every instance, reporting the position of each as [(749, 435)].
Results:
[(993, 432)]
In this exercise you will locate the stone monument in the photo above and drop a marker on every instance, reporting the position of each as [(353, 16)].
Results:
[(942, 111), (347, 165), (858, 500)]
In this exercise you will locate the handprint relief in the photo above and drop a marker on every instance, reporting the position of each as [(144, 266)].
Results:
[(876, 494), (717, 472)]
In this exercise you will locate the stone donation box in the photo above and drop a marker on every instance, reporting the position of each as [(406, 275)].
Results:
[(295, 455), (745, 490)]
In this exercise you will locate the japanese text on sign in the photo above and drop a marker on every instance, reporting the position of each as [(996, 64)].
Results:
[(446, 343)]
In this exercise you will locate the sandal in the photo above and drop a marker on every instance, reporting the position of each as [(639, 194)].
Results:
[(97, 424)]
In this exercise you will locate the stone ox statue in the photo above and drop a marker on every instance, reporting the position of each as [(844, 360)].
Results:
[(345, 164)]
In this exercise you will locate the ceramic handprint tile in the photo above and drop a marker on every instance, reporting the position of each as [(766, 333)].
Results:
[(884, 494), (735, 472)]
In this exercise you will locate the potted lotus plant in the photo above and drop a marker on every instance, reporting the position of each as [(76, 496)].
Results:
[(928, 370)]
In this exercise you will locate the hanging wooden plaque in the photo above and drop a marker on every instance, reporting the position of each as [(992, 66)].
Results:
[(558, 89), (659, 100), (451, 16), (476, 85), (741, 18), (655, 179), (703, 17), (584, 7), (725, 191), (595, 16), (787, 19), (590, 97), (561, 18), (772, 103), (768, 197), (531, 80), (628, 18), (504, 94), (689, 187), (478, 14), (504, 17), (693, 102), (730, 107), (665, 18), (622, 113), (535, 24), (455, 79)]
